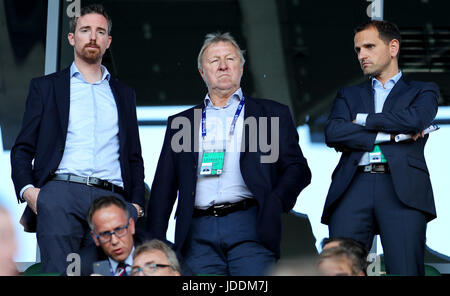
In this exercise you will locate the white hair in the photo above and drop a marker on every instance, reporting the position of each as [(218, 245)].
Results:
[(215, 38)]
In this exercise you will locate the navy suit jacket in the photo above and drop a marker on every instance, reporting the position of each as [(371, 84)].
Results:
[(43, 134), (275, 186), (410, 108)]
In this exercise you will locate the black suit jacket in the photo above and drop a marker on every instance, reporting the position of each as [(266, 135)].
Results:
[(43, 134), (410, 108), (275, 186), (89, 255)]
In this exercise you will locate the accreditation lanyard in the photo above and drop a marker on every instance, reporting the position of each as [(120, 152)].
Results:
[(212, 160), (233, 123)]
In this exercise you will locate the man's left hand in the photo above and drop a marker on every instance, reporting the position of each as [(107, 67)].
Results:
[(138, 208)]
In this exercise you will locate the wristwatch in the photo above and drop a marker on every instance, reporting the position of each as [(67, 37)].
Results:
[(141, 212)]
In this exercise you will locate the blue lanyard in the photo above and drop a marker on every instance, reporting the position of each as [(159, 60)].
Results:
[(233, 123)]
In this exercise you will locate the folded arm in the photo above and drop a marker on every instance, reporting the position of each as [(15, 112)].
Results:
[(342, 133), (410, 120)]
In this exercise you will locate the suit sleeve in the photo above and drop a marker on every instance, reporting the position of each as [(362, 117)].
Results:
[(341, 133), (24, 149), (137, 190), (292, 166), (164, 190), (411, 120)]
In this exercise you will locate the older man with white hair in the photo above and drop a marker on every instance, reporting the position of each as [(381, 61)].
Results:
[(232, 186)]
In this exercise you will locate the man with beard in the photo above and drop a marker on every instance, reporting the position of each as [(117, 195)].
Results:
[(79, 140)]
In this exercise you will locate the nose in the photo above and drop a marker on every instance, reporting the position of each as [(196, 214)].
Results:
[(223, 65), (114, 239), (362, 55), (93, 35)]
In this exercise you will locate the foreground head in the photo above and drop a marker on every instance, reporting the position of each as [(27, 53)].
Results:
[(338, 261), (377, 44), (155, 258), (352, 246), (112, 228), (89, 33), (8, 245)]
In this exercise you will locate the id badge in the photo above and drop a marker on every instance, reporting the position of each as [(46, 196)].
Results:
[(375, 157), (212, 163)]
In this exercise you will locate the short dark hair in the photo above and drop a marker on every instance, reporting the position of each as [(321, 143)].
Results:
[(339, 253), (103, 202), (93, 8), (387, 31)]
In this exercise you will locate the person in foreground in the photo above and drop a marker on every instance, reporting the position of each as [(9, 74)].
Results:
[(112, 230), (8, 245), (155, 258)]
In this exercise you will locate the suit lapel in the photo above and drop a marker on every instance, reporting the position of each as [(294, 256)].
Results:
[(251, 110), (62, 93), (195, 118), (367, 96), (395, 94), (120, 104)]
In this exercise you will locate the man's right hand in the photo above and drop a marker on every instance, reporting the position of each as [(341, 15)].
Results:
[(31, 196), (416, 136)]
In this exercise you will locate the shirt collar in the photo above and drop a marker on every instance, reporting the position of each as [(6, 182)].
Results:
[(237, 96), (74, 72), (113, 263), (389, 84)]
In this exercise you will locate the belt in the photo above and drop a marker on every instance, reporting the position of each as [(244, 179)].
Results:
[(374, 168), (220, 210), (90, 181)]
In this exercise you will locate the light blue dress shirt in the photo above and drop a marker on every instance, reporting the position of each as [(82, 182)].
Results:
[(380, 95), (229, 186), (113, 264), (92, 143)]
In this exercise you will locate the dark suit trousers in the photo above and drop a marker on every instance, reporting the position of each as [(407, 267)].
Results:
[(62, 226), (371, 206), (227, 245)]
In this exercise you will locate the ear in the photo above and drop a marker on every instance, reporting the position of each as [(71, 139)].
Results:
[(97, 243), (132, 227), (109, 42), (71, 38), (202, 73), (394, 47)]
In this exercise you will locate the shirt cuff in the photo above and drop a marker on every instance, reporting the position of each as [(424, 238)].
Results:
[(361, 119), (23, 190), (382, 138)]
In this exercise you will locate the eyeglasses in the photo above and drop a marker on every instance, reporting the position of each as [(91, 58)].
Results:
[(105, 237), (148, 268)]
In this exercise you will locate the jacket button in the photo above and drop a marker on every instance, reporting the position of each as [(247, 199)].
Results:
[(355, 162), (193, 193)]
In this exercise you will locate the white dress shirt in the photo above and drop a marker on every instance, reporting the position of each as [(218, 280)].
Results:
[(229, 186)]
